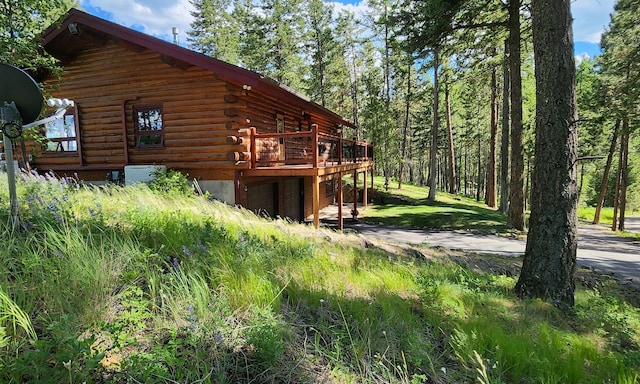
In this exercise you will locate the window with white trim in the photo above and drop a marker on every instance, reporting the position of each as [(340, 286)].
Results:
[(62, 134)]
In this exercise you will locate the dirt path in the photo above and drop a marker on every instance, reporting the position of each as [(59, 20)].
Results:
[(598, 247)]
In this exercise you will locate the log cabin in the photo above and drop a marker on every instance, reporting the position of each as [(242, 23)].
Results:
[(142, 102)]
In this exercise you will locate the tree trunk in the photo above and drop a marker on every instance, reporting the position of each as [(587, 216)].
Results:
[(451, 153), (479, 177), (619, 203), (411, 164), (515, 217), (405, 129), (466, 170), (504, 144), (624, 182), (354, 98), (550, 256), (433, 155), (616, 198), (605, 176), (491, 195)]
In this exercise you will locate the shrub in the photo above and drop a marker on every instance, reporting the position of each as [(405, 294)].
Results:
[(170, 181)]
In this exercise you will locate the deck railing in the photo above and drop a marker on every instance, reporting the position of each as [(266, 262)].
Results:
[(306, 149)]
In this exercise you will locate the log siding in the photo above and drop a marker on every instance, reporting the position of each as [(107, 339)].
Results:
[(217, 119)]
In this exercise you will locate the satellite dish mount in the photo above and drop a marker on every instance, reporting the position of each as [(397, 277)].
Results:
[(20, 102)]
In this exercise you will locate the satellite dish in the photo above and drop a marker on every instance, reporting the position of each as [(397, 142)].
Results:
[(17, 86)]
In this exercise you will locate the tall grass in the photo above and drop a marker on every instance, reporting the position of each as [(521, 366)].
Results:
[(133, 285)]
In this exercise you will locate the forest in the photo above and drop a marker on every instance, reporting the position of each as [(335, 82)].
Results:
[(442, 85), (481, 98)]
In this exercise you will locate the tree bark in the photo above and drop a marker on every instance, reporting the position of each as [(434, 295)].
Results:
[(504, 144), (624, 182), (451, 153), (550, 256), (479, 177), (607, 170), (515, 217), (492, 194), (433, 155), (405, 129), (616, 198)]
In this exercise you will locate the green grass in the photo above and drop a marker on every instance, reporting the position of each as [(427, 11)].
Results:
[(606, 218), (409, 207), (127, 285)]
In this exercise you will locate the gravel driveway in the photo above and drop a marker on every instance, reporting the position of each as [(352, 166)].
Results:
[(598, 247)]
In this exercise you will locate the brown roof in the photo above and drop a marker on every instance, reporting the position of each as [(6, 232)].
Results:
[(62, 44)]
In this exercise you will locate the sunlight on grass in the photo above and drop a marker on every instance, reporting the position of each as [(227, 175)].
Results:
[(137, 286), (409, 207)]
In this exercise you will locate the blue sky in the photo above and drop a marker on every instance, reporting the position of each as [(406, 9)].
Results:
[(158, 17)]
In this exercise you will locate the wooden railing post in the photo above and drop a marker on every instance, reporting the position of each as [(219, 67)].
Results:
[(364, 190), (314, 148), (355, 151), (340, 149), (316, 201)]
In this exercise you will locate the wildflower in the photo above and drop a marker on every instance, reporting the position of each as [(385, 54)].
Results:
[(202, 248), (176, 264), (186, 251), (27, 225), (218, 337)]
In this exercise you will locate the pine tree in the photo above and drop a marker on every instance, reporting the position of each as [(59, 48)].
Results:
[(254, 46), (621, 69), (214, 30), (283, 23), (321, 46), (550, 257)]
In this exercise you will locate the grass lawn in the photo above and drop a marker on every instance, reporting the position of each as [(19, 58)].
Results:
[(409, 207), (606, 217)]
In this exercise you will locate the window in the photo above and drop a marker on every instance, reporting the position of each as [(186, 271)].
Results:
[(148, 126), (61, 133)]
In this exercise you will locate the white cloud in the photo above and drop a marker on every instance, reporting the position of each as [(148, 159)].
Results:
[(157, 17), (153, 17), (581, 56), (358, 9), (590, 17)]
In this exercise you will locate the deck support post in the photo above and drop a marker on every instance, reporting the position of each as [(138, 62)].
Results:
[(340, 203), (372, 189), (316, 201), (354, 212), (364, 189)]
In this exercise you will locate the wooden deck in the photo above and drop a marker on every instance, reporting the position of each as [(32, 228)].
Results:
[(311, 153)]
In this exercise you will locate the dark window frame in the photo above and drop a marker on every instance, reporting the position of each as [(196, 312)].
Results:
[(143, 133)]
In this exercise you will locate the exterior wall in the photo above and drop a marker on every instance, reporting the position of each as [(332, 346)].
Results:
[(223, 190), (109, 77), (325, 198), (108, 80)]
